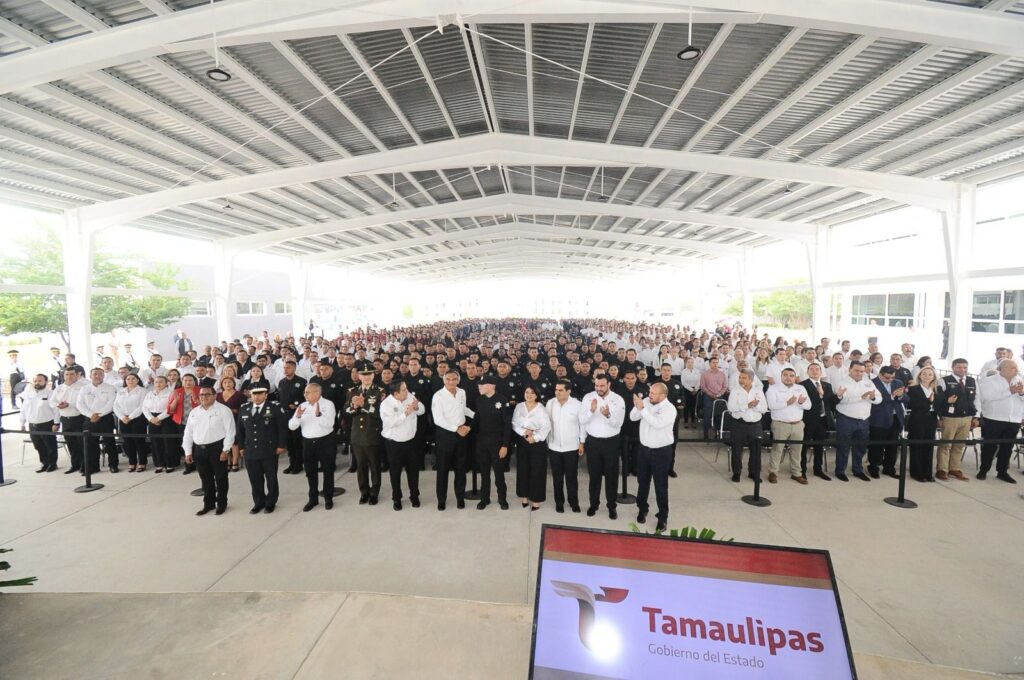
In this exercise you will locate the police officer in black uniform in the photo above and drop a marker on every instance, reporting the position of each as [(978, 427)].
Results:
[(492, 426), (262, 436), (290, 394), (627, 388), (422, 388)]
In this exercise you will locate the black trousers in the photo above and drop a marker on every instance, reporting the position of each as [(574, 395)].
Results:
[(45, 445), (263, 479), (134, 447), (531, 470), (565, 468), (746, 434), (690, 406), (70, 426), (451, 454), (161, 446), (487, 459), (997, 429), (884, 455), (174, 444), (105, 427), (367, 468), (814, 428), (295, 450), (403, 456), (213, 472), (654, 464), (921, 426), (316, 454), (603, 463)]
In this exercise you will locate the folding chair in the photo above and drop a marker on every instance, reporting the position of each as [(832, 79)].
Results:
[(974, 447), (722, 440)]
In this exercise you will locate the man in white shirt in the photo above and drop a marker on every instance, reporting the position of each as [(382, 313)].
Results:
[(72, 422), (448, 407), (773, 374), (747, 405), (836, 371), (657, 418), (315, 418), (602, 415), (565, 443), (1001, 396), (209, 434), (96, 403), (149, 373), (787, 402), (909, 359), (801, 363), (856, 394), (399, 413), (39, 413)]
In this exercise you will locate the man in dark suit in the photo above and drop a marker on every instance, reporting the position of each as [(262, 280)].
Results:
[(817, 419), (887, 422), (262, 436)]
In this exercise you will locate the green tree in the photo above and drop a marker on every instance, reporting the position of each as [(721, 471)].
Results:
[(782, 307), (47, 312)]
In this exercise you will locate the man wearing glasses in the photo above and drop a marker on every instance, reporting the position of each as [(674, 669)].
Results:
[(315, 418), (209, 433)]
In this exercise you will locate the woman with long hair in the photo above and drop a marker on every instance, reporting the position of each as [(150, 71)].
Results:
[(158, 422), (255, 379), (128, 412), (762, 359), (531, 423), (233, 399), (924, 394), (183, 399)]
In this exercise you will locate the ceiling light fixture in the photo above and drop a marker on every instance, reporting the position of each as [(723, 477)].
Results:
[(216, 74), (689, 53)]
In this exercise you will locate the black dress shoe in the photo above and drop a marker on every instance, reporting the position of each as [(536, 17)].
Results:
[(203, 512), (52, 468), (672, 474), (309, 506), (481, 505), (641, 518), (890, 473), (874, 473), (981, 475), (735, 476), (862, 476), (574, 508), (460, 503), (415, 502), (929, 478), (591, 511), (841, 476), (220, 511), (255, 509), (559, 508), (441, 506), (662, 525), (71, 471), (397, 505), (363, 500), (503, 505), (186, 471), (269, 509), (1005, 476), (612, 514), (42, 469), (352, 468), (821, 475), (373, 500), (328, 503), (114, 470)]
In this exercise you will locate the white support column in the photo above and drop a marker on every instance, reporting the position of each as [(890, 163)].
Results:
[(742, 265), (223, 273), (299, 278), (77, 247), (702, 297), (818, 260), (958, 238)]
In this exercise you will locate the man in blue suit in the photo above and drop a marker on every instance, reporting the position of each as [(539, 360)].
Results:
[(887, 422)]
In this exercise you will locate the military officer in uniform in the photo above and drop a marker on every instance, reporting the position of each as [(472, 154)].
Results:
[(363, 405), (262, 436), (493, 428), (290, 395)]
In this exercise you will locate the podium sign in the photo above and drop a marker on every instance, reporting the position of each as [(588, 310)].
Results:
[(633, 606)]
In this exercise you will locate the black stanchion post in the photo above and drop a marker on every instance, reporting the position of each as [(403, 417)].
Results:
[(900, 501), (756, 499), (89, 486), (625, 497), (474, 493)]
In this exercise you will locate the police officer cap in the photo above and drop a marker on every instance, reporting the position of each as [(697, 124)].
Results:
[(365, 368), (258, 389), (326, 362), (488, 380)]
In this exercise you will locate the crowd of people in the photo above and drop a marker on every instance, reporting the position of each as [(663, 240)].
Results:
[(474, 395)]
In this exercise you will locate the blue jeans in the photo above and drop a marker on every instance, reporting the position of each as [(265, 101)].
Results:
[(850, 432), (709, 416)]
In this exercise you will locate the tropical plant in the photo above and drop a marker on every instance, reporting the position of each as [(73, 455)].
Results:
[(704, 534), (4, 566)]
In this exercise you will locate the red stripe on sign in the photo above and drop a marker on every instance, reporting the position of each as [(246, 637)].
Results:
[(707, 555)]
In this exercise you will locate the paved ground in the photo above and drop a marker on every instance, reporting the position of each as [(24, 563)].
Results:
[(937, 585)]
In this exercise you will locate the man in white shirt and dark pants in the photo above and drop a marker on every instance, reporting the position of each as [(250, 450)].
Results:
[(96, 403), (787, 401), (565, 444), (657, 418), (209, 434), (448, 407), (39, 413), (1002, 409), (315, 418), (856, 394), (602, 415), (747, 405), (399, 413), (72, 422)]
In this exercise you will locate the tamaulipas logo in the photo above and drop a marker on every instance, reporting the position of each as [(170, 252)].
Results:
[(586, 600)]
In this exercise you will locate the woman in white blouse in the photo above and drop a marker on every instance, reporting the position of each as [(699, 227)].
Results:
[(158, 422), (531, 423), (128, 411), (690, 378)]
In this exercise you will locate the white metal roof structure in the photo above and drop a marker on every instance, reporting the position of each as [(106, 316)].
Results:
[(447, 137)]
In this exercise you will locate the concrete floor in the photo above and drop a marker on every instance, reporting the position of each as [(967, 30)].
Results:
[(937, 585)]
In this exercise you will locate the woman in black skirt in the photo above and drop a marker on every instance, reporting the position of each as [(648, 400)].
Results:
[(924, 395), (531, 424)]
